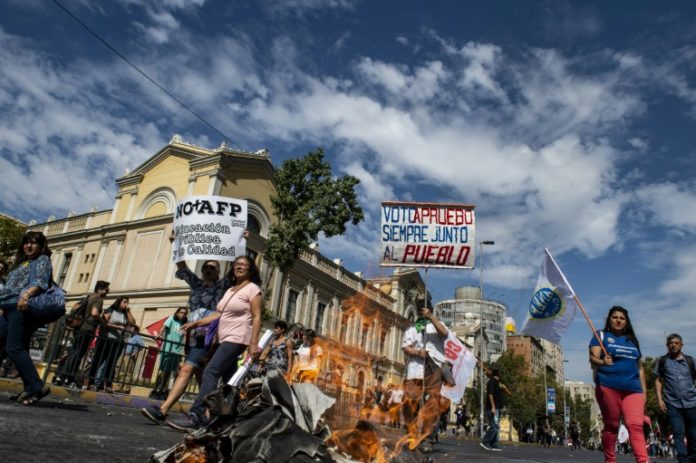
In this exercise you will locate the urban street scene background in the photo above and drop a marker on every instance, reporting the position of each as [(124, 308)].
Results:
[(455, 191)]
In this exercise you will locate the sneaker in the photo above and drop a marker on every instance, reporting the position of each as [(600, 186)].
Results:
[(484, 446), (154, 414), (495, 448), (186, 423)]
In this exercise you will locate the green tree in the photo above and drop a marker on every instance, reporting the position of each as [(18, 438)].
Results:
[(581, 413), (11, 234), (527, 400), (309, 201), (652, 409)]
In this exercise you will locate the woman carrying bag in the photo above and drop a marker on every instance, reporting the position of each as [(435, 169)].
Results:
[(29, 300), (239, 321)]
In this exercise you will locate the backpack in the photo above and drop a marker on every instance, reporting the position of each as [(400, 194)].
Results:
[(78, 314), (663, 360)]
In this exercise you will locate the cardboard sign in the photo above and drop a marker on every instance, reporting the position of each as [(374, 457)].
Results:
[(427, 235), (209, 227)]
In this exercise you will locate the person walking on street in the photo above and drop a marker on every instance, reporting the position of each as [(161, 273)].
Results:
[(206, 292), (424, 346), (620, 383), (30, 275), (676, 394), (575, 435), (239, 323), (494, 404)]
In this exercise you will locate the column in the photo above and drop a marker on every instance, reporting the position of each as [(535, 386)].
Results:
[(116, 259), (131, 206), (114, 211), (309, 306), (98, 265), (77, 258)]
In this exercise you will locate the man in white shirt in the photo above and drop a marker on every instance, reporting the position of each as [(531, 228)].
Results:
[(424, 346)]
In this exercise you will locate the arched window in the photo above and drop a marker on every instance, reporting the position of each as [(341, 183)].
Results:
[(160, 202), (257, 219), (253, 224)]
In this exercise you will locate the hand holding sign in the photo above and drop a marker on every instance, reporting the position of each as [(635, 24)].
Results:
[(209, 227)]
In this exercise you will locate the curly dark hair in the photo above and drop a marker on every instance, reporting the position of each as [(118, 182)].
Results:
[(254, 274), (21, 257), (628, 331)]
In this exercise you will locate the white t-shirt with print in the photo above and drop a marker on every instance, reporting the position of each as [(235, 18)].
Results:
[(429, 339)]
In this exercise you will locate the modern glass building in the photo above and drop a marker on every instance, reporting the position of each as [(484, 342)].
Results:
[(462, 315)]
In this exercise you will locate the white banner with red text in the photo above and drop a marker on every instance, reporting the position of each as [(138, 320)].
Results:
[(427, 235)]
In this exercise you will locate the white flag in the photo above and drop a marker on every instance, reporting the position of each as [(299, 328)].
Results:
[(553, 305), (463, 363)]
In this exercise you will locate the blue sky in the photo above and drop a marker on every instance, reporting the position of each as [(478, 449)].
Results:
[(568, 124)]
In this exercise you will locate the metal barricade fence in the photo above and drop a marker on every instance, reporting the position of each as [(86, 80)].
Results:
[(116, 362)]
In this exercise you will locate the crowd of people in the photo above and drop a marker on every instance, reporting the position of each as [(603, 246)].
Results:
[(222, 323)]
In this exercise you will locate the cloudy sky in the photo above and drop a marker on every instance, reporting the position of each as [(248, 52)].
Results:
[(567, 124)]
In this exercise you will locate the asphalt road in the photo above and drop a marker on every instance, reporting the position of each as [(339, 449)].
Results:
[(68, 430)]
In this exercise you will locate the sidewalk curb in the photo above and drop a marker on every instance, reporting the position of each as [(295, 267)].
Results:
[(101, 398)]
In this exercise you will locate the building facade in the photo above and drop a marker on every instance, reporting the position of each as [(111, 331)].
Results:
[(584, 391), (462, 315), (128, 246), (539, 354)]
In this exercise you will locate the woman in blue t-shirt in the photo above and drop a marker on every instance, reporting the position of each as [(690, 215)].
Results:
[(620, 383)]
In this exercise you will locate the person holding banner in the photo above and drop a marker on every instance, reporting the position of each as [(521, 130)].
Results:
[(239, 322), (620, 383), (424, 346)]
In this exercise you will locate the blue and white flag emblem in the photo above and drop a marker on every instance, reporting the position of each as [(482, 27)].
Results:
[(553, 303)]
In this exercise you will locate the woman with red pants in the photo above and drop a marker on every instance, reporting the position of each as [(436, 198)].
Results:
[(620, 383)]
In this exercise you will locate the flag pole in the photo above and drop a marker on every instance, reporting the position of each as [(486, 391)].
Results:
[(577, 301)]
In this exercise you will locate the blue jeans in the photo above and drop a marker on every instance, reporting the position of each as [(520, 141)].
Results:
[(491, 436), (683, 421), (17, 327), (222, 365)]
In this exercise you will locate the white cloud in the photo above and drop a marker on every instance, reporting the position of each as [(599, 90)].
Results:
[(672, 205), (482, 64)]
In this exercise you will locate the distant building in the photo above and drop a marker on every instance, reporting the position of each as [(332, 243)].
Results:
[(462, 315), (539, 353), (584, 391), (555, 360), (531, 349)]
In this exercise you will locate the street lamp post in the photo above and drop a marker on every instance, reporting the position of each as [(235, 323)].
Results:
[(481, 347), (565, 409)]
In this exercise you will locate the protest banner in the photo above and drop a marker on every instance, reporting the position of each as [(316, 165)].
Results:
[(209, 227), (427, 235)]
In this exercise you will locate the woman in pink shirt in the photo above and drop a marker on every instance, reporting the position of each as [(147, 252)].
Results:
[(239, 314)]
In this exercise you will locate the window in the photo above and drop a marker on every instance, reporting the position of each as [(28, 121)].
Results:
[(319, 320), (86, 258), (91, 258), (62, 275), (291, 307), (253, 224), (82, 275)]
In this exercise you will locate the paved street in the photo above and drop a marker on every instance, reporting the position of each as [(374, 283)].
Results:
[(72, 430)]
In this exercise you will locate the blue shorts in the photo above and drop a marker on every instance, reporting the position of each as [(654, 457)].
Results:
[(195, 355)]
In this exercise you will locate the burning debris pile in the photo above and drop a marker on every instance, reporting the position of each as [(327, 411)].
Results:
[(268, 421)]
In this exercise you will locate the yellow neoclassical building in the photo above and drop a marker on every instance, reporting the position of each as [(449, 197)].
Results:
[(361, 321)]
